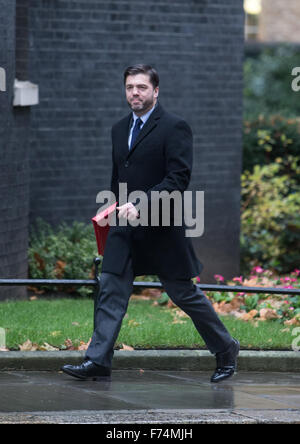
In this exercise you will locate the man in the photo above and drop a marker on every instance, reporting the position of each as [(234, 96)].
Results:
[(151, 151)]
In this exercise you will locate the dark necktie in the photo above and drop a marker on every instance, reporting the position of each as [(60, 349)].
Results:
[(136, 130)]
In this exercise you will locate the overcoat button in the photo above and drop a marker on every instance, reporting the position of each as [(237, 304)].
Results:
[(126, 164)]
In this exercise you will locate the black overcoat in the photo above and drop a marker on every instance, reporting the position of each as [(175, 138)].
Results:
[(160, 159)]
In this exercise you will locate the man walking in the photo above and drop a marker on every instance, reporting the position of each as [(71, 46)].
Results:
[(152, 150)]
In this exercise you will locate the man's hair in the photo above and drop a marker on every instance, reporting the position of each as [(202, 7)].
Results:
[(142, 69)]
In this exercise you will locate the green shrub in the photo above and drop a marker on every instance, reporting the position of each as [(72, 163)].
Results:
[(66, 252), (267, 81), (266, 139), (270, 217), (270, 194)]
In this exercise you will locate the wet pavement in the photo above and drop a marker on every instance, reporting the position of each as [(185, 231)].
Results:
[(149, 396)]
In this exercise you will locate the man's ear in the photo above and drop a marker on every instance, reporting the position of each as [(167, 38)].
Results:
[(156, 91)]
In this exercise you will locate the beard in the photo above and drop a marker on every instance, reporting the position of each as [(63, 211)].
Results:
[(141, 106)]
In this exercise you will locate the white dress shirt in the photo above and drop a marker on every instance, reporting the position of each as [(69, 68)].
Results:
[(143, 118)]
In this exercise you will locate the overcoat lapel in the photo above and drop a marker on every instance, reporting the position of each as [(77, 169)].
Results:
[(147, 128), (123, 133)]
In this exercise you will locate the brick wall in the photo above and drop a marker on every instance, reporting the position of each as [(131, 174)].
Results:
[(78, 51), (14, 164)]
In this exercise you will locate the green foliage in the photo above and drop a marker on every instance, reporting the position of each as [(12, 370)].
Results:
[(250, 302), (164, 299), (268, 79), (291, 308), (270, 217), (267, 139), (66, 252), (220, 296)]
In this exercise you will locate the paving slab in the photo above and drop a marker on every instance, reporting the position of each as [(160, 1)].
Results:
[(149, 397)]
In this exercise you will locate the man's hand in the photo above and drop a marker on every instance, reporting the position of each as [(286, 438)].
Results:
[(128, 211)]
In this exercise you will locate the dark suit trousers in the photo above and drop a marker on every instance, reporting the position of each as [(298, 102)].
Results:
[(112, 303)]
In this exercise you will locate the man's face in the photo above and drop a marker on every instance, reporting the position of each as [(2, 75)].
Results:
[(140, 94)]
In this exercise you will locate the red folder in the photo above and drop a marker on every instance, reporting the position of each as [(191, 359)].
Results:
[(101, 232)]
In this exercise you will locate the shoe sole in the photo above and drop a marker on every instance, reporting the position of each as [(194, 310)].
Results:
[(87, 378), (224, 378)]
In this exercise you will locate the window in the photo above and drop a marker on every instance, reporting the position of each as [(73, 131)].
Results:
[(252, 11)]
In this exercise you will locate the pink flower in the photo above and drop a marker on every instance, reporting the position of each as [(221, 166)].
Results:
[(296, 272), (285, 279), (198, 279), (258, 269), (238, 279), (218, 277), (288, 286)]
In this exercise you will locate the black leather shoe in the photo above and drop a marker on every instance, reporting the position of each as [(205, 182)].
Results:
[(226, 362), (87, 370)]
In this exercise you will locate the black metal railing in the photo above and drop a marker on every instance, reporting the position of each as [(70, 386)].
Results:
[(96, 283)]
